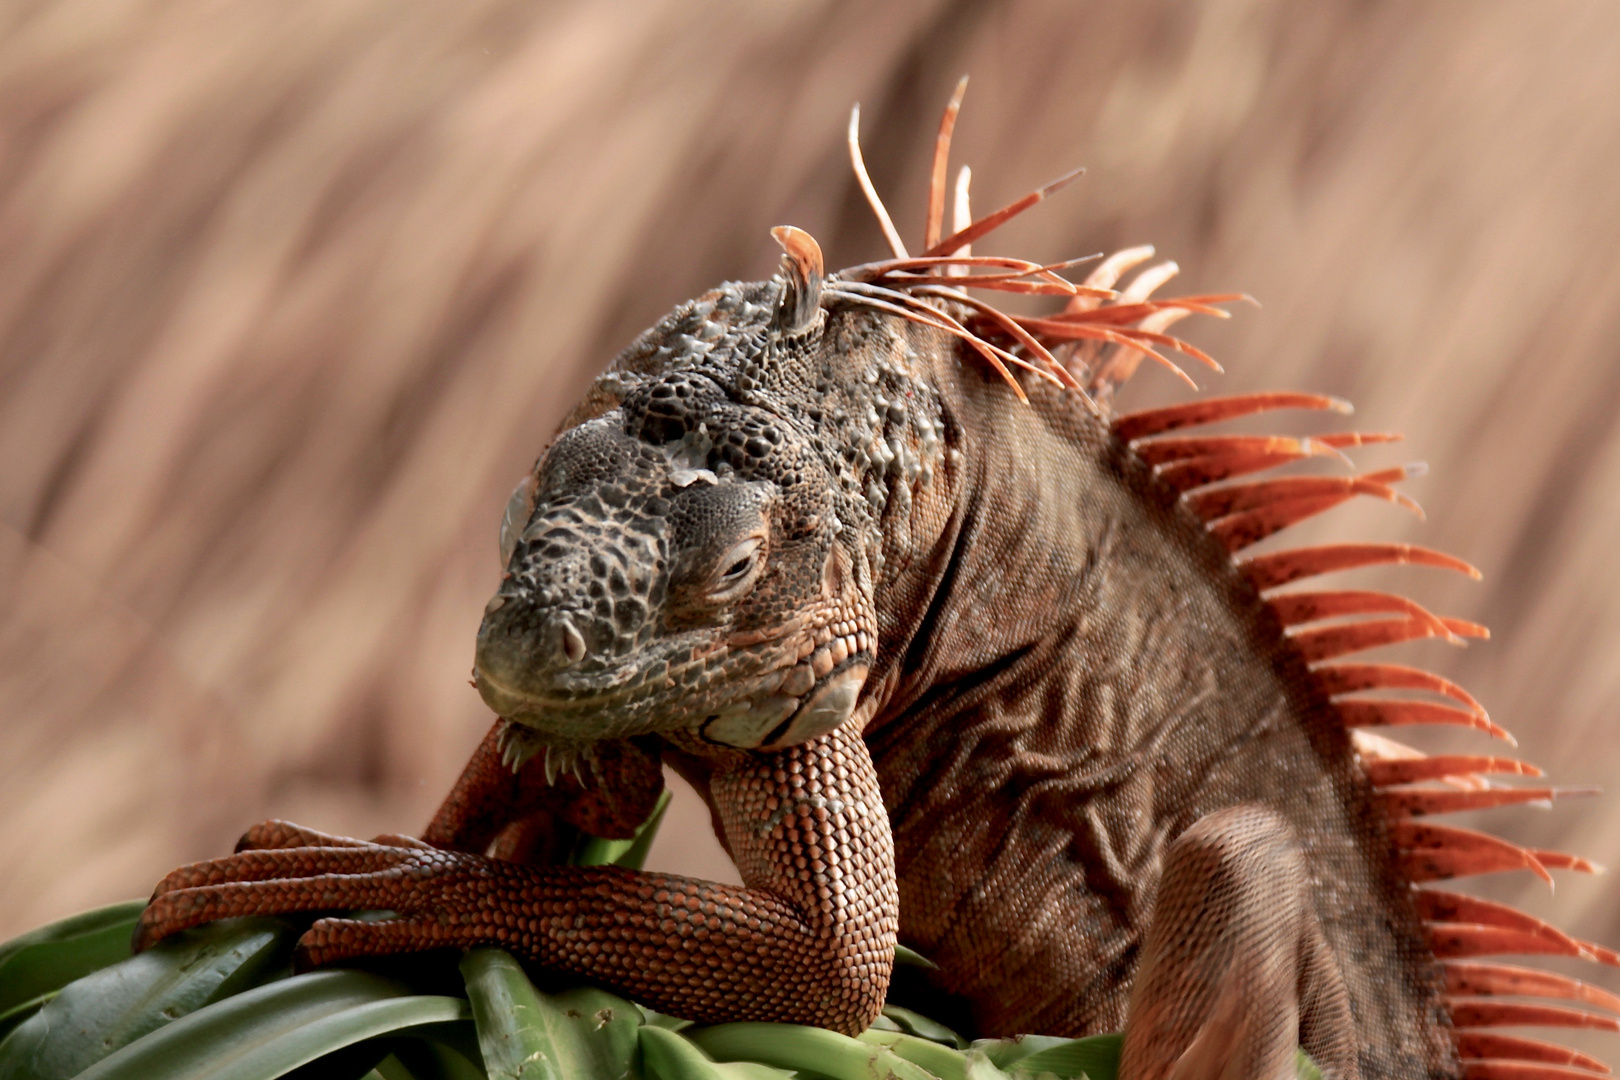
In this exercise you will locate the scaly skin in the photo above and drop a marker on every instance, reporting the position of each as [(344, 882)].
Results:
[(1059, 672), (1040, 761), (951, 662), (811, 948)]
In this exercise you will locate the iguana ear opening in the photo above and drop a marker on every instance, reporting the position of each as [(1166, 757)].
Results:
[(802, 271)]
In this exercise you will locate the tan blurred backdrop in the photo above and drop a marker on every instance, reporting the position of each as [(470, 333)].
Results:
[(292, 292)]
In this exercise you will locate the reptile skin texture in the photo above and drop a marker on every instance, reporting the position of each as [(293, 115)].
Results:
[(962, 664), (1234, 900), (809, 942), (1070, 674)]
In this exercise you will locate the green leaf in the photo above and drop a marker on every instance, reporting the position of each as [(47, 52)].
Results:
[(439, 1052), (634, 857), (790, 1046), (526, 1035), (353, 1062), (1096, 1056), (915, 1023), (668, 1023), (631, 853), (912, 958), (391, 1068), (268, 1031), (1304, 1067), (1003, 1053), (667, 1056), (979, 1066), (123, 913), (335, 1034), (111, 1008), (943, 1061), (18, 1013), (49, 958)]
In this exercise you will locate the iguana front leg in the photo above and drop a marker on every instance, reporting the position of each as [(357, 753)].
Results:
[(808, 939), (1234, 971)]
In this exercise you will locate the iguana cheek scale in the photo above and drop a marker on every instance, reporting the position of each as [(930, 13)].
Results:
[(959, 657)]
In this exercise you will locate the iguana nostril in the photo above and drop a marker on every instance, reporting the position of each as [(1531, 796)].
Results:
[(573, 642)]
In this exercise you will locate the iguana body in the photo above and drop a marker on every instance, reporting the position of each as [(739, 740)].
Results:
[(946, 664)]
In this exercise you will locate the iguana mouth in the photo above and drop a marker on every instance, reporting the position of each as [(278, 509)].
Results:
[(516, 704), (488, 684), (781, 703)]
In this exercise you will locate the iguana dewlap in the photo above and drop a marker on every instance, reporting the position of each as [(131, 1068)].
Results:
[(965, 663)]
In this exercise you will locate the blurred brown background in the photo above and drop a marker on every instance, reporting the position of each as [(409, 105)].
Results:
[(291, 293)]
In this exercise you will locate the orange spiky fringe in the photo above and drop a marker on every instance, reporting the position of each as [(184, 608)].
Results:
[(1093, 346)]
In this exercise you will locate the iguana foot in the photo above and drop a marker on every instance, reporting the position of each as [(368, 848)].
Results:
[(440, 897), (1235, 973)]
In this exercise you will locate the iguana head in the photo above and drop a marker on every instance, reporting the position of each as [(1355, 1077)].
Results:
[(688, 556), (702, 548)]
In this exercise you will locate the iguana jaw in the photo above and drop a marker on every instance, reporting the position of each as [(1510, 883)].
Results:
[(806, 685)]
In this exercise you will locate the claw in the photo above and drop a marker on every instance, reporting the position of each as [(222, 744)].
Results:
[(517, 745)]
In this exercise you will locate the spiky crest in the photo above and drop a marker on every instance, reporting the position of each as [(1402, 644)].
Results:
[(1093, 346)]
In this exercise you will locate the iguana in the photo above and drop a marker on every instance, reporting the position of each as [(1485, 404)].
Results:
[(960, 658)]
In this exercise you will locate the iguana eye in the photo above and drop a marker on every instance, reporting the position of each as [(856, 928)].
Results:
[(518, 509), (738, 568)]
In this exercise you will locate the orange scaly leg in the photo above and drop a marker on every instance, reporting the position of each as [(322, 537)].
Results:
[(809, 939)]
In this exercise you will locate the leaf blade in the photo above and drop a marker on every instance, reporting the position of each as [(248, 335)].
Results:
[(915, 1023), (528, 1035), (108, 1009), (54, 955), (942, 1061), (793, 1047), (232, 1028), (631, 853), (1095, 1056), (667, 1056), (337, 1031)]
